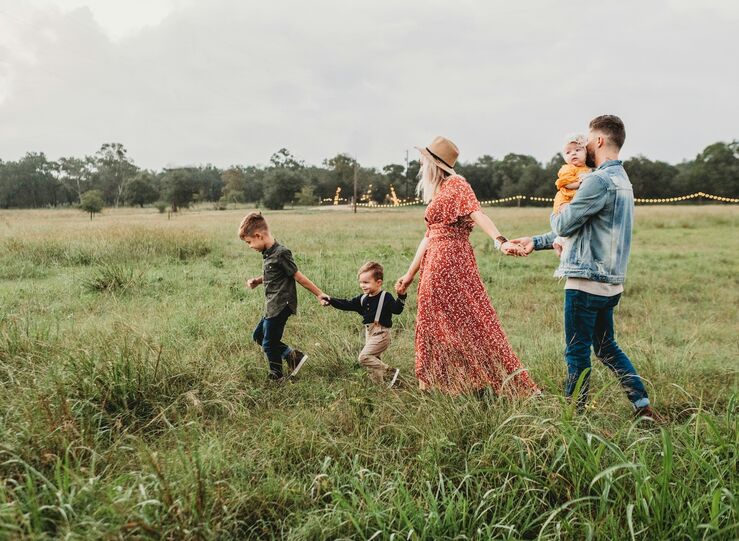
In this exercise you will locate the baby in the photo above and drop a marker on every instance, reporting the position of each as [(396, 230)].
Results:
[(569, 178)]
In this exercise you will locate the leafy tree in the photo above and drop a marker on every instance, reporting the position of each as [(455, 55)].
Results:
[(483, 176), (280, 187), (178, 187), (285, 160), (369, 176), (510, 170), (234, 184), (547, 187), (341, 170), (141, 189), (35, 181), (208, 182), (92, 202), (254, 191), (395, 175), (651, 179), (76, 174), (322, 180), (305, 196), (31, 182), (715, 171), (114, 169), (530, 178)]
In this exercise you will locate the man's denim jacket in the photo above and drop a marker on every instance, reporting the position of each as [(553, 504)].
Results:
[(598, 222)]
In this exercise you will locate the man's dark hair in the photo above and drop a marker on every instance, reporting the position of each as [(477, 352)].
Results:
[(612, 127)]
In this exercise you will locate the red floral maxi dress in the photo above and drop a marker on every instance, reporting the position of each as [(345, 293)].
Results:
[(460, 345)]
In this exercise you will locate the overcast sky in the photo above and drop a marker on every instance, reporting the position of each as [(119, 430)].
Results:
[(231, 81)]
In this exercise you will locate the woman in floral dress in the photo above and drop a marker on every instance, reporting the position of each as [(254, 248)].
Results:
[(460, 345)]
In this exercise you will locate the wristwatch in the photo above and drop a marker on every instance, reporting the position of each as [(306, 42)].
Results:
[(499, 241)]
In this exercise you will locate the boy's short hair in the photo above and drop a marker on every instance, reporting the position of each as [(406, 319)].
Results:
[(252, 223), (612, 127), (374, 267)]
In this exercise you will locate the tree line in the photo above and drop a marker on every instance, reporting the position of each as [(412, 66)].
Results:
[(111, 178)]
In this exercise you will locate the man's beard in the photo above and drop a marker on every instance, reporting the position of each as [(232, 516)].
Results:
[(589, 158)]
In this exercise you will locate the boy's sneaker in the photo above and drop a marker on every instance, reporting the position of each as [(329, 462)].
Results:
[(295, 361), (394, 379), (648, 413)]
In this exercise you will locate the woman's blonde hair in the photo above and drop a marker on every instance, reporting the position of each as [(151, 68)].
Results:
[(430, 177)]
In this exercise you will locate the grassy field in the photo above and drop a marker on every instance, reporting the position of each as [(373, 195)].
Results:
[(133, 403)]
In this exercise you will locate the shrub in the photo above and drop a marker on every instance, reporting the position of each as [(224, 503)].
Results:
[(113, 278), (92, 202)]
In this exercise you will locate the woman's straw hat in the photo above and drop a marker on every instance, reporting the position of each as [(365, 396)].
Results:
[(442, 152)]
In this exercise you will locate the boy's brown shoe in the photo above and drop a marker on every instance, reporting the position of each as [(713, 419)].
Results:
[(295, 361), (649, 413), (394, 379)]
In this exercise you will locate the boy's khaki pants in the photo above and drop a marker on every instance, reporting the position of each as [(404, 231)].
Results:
[(377, 340)]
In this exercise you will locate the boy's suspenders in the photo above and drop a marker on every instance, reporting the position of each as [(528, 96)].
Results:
[(379, 305)]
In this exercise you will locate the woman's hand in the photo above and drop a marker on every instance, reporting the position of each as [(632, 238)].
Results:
[(403, 282), (527, 243), (515, 249)]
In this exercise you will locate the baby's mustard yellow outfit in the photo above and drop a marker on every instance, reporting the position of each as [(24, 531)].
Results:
[(567, 174)]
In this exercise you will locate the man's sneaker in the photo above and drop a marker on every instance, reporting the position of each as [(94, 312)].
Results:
[(295, 361), (394, 379), (647, 412)]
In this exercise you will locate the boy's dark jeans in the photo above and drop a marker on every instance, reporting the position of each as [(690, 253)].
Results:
[(268, 334), (589, 322)]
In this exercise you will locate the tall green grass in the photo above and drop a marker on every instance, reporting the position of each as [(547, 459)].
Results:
[(108, 246), (134, 405)]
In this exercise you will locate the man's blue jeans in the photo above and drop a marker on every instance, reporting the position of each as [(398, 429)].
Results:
[(268, 334), (589, 322)]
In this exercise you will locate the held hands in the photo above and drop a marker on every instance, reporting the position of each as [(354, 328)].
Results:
[(512, 248), (324, 299), (525, 244), (401, 286)]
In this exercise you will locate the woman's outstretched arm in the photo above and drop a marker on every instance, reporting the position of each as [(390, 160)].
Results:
[(487, 225)]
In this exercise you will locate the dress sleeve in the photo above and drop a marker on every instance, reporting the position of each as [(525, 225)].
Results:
[(464, 198)]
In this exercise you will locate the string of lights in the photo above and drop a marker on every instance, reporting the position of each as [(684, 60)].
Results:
[(689, 196), (642, 200)]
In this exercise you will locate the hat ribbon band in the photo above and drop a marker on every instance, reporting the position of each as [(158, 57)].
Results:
[(435, 156)]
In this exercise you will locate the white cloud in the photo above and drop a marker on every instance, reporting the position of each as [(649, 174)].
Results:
[(117, 19), (232, 81)]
